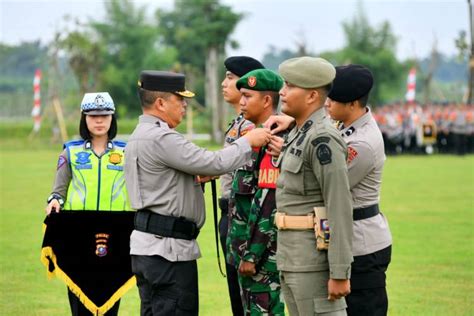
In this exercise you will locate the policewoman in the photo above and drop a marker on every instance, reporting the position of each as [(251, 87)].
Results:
[(89, 172), (347, 103), (161, 176)]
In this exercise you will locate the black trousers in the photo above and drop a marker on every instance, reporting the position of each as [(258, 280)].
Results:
[(368, 295), (166, 288), (231, 271), (78, 309)]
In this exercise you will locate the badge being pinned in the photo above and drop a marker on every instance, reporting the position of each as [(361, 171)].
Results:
[(252, 81), (61, 161), (115, 158)]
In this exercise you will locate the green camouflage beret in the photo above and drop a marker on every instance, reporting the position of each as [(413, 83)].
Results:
[(307, 72), (260, 80)]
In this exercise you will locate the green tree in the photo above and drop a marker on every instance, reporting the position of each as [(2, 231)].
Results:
[(18, 64), (129, 44), (84, 55), (374, 48), (200, 30), (109, 54)]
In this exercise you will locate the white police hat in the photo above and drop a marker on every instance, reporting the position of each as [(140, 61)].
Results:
[(97, 103)]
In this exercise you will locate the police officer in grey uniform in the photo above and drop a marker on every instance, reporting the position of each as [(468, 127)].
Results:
[(313, 174), (236, 67), (161, 176), (347, 103)]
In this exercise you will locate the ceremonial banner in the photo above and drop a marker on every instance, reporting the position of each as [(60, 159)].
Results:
[(90, 252)]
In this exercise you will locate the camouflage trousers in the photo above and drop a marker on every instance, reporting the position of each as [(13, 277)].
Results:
[(262, 298)]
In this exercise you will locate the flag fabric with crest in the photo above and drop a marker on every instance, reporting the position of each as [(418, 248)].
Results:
[(90, 252)]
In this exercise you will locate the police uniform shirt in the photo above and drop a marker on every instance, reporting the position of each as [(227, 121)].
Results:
[(365, 161), (314, 173), (159, 174), (237, 128)]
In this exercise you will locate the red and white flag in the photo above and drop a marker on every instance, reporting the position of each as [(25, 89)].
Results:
[(36, 112), (411, 86)]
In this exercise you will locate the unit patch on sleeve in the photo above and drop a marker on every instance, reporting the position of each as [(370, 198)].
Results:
[(61, 161), (324, 154), (351, 154)]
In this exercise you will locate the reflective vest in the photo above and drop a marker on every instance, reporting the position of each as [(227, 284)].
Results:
[(97, 183)]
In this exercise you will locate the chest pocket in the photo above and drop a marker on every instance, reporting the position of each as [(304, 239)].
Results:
[(292, 177)]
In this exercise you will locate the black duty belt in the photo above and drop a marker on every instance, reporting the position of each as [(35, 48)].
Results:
[(165, 226), (365, 212)]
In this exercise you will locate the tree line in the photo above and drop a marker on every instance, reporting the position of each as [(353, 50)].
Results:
[(192, 37)]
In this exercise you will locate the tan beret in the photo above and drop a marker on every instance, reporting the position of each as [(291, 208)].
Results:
[(307, 72)]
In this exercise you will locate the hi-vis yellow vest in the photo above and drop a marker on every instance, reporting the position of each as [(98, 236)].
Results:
[(97, 184)]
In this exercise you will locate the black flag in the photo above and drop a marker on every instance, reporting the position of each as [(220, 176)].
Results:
[(90, 252)]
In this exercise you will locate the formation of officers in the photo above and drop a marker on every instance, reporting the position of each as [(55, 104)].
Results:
[(446, 128), (301, 226)]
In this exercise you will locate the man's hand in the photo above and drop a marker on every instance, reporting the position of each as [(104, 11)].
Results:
[(247, 268), (53, 205), (258, 137), (204, 179), (275, 145), (282, 123), (338, 289)]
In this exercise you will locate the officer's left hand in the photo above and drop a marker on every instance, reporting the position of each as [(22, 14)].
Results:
[(247, 268), (338, 289), (275, 145)]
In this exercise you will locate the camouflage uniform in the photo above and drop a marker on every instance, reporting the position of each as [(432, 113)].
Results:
[(261, 292), (243, 190)]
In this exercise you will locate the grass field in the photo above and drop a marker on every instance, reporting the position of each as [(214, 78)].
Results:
[(428, 201)]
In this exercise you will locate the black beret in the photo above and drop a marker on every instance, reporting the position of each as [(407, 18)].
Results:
[(351, 83), (240, 65), (164, 81)]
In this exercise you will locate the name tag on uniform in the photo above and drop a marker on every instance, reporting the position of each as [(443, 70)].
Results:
[(268, 173), (79, 167), (114, 167)]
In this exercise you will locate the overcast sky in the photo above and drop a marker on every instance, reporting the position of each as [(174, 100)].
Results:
[(280, 23)]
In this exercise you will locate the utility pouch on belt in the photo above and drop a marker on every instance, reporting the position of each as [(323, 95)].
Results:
[(321, 228), (302, 222)]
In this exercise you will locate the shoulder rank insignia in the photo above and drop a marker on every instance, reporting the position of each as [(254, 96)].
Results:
[(319, 140), (306, 126), (349, 131), (83, 157), (324, 154)]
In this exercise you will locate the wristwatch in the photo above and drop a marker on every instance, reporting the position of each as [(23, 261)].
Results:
[(57, 197)]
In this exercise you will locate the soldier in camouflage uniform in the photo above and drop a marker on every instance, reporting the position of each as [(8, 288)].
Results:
[(236, 67), (253, 233)]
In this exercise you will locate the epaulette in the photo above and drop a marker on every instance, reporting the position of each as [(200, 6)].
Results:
[(119, 143), (306, 126), (73, 143)]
